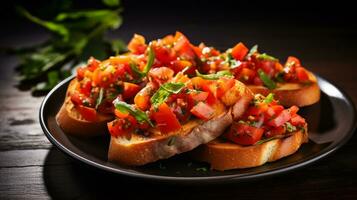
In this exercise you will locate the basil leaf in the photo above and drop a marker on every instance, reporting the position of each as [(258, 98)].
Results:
[(163, 93), (252, 51), (266, 80), (265, 56), (214, 76), (100, 98), (269, 98), (139, 115), (59, 29), (150, 62)]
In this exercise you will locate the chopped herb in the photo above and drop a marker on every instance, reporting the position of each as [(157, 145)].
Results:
[(150, 62), (289, 127), (202, 169), (100, 98), (252, 51), (171, 141), (265, 56), (265, 140), (269, 98), (163, 93), (266, 80), (214, 76), (139, 115)]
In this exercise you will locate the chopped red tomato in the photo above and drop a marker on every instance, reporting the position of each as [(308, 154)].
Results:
[(292, 59), (92, 64), (275, 131), (297, 120), (85, 88), (202, 111), (137, 44), (164, 54), (183, 47), (142, 98), (239, 51), (89, 114), (130, 90), (80, 72), (199, 96), (122, 127), (244, 134), (165, 119), (302, 74), (223, 85), (272, 111), (161, 75), (279, 120)]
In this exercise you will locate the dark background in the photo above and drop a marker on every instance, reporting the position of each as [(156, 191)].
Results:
[(322, 34)]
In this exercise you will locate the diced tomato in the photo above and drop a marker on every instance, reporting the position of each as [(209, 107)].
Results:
[(202, 111), (179, 65), (239, 51), (183, 47), (244, 134), (275, 131), (301, 74), (293, 110), (142, 98), (164, 54), (137, 44), (85, 88), (223, 85), (273, 111), (297, 120), (199, 96), (120, 114), (106, 107), (267, 66), (247, 75), (80, 99), (279, 120), (92, 64), (293, 59), (161, 75), (122, 127), (130, 90), (108, 75), (165, 119), (89, 114), (80, 72)]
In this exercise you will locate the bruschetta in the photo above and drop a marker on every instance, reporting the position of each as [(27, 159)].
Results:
[(177, 117), (265, 133)]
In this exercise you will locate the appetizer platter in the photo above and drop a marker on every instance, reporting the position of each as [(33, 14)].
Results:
[(174, 111)]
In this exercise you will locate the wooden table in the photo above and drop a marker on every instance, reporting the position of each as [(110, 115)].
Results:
[(31, 168)]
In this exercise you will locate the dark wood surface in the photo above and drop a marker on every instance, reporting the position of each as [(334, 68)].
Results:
[(31, 168)]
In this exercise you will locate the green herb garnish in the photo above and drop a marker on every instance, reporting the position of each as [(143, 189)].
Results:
[(214, 76), (202, 169), (265, 140), (269, 98), (150, 62), (289, 127), (266, 80), (100, 98), (139, 115), (252, 51), (76, 35), (265, 56), (163, 93)]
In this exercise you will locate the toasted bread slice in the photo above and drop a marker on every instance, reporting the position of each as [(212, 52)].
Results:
[(71, 121), (223, 155), (290, 94)]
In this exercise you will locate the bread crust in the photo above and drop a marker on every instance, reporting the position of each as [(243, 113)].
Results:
[(290, 94), (71, 121), (224, 155)]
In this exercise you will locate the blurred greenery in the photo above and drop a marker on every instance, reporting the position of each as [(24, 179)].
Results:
[(76, 34)]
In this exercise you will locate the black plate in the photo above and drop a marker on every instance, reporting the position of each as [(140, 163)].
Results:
[(331, 124)]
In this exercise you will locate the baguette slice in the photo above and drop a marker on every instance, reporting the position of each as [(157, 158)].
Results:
[(140, 150), (224, 155), (71, 121), (290, 94)]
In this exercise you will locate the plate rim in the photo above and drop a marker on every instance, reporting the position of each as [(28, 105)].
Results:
[(208, 179)]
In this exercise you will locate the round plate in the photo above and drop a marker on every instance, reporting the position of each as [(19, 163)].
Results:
[(331, 124)]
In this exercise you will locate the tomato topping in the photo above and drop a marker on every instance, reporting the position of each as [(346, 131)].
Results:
[(161, 75), (80, 72), (223, 85), (165, 119), (279, 120), (199, 96), (85, 88), (89, 114), (142, 99), (292, 59), (92, 64), (183, 47), (297, 120), (239, 51), (202, 111), (302, 74), (275, 131), (244, 134), (130, 90), (122, 127), (137, 44)]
